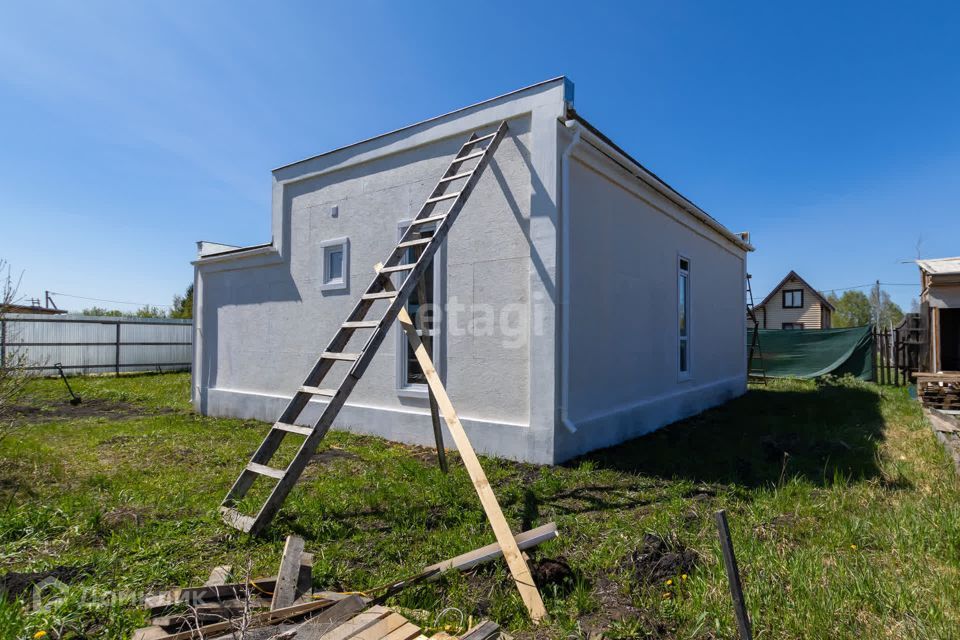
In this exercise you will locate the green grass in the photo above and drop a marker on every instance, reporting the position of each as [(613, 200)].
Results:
[(844, 510)]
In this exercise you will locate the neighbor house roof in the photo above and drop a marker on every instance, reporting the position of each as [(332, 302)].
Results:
[(22, 308), (796, 276), (940, 266)]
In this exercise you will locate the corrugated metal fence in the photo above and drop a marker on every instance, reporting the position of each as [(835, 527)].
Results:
[(97, 344)]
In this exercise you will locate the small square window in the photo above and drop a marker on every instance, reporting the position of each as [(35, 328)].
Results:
[(336, 264)]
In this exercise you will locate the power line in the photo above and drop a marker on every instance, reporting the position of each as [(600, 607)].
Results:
[(139, 304), (873, 284)]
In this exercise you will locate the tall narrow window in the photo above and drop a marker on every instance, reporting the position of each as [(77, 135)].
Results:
[(421, 309), (422, 305), (683, 317)]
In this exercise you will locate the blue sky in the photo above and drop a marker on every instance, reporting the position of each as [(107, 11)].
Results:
[(130, 130)]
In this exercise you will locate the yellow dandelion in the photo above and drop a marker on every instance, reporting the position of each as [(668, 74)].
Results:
[(854, 547), (669, 582), (683, 576), (39, 634)]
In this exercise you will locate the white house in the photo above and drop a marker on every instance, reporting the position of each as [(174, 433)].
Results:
[(581, 301)]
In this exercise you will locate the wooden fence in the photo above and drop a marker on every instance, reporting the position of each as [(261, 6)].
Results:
[(899, 351)]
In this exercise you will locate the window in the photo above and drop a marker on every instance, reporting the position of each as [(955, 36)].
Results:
[(791, 325), (683, 316), (336, 264), (792, 298), (422, 307)]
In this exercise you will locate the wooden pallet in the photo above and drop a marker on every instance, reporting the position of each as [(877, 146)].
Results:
[(939, 390)]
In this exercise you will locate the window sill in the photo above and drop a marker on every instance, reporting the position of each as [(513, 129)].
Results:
[(334, 285), (413, 391)]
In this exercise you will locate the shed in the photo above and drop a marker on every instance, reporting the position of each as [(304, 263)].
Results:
[(577, 302), (940, 310)]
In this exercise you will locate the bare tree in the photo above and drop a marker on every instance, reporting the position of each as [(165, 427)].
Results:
[(13, 377)]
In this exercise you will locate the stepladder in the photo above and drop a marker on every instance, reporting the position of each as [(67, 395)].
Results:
[(756, 370), (346, 357)]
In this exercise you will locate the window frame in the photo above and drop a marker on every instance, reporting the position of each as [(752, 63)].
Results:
[(438, 333), (794, 326), (328, 247), (684, 374), (783, 298)]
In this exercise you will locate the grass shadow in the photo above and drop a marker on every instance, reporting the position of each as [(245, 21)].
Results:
[(819, 434)]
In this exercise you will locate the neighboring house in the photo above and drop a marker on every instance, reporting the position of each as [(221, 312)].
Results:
[(582, 301), (794, 304), (940, 310), (32, 309)]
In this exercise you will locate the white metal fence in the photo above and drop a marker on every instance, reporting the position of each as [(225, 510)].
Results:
[(97, 344)]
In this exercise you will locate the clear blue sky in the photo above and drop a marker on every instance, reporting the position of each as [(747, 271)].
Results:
[(129, 130)]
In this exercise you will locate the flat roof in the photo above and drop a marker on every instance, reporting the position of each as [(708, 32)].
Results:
[(940, 266)]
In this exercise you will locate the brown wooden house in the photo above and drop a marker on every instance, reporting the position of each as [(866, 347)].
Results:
[(794, 304)]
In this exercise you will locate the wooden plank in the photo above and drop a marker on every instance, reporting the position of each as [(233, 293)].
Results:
[(358, 623), (305, 576), (264, 470), (149, 633), (407, 631), (329, 619), (264, 617), (286, 590), (484, 630), (381, 627), (218, 576), (518, 566), (198, 595), (466, 561)]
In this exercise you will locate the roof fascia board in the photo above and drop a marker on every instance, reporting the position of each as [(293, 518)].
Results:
[(420, 133), (794, 274)]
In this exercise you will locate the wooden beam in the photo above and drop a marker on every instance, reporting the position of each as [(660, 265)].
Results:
[(515, 561), (218, 576), (277, 615), (286, 590), (466, 561)]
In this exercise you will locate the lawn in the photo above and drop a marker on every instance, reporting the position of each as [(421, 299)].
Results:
[(845, 515)]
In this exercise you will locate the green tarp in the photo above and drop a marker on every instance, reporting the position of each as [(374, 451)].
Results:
[(816, 352)]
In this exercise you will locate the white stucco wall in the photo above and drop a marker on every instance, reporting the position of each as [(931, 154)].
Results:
[(263, 319), (623, 372)]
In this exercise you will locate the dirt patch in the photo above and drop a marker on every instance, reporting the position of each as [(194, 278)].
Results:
[(553, 572), (659, 560), (14, 583), (332, 454), (92, 408), (123, 517)]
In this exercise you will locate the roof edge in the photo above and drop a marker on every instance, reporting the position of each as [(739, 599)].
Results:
[(564, 79), (803, 282)]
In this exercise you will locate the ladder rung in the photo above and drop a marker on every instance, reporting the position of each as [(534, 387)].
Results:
[(379, 295), (469, 156), (293, 428), (446, 196), (480, 139), (465, 174), (428, 220), (236, 519), (399, 267), (361, 324), (337, 355), (264, 470), (317, 391), (414, 243)]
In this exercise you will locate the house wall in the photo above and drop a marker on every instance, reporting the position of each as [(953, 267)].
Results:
[(811, 314), (622, 376), (263, 318)]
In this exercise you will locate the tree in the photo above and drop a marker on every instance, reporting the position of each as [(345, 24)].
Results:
[(886, 312), (100, 311), (149, 311), (183, 305), (13, 369), (852, 309)]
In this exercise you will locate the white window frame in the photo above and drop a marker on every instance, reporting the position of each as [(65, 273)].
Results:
[(684, 375), (326, 248), (403, 388)]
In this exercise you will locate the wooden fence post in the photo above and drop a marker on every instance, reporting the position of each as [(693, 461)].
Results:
[(733, 576), (873, 354), (3, 344)]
